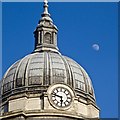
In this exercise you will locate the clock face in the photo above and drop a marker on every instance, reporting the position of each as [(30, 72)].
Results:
[(61, 97)]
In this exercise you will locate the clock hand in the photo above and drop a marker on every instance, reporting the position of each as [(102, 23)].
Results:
[(57, 95), (61, 100)]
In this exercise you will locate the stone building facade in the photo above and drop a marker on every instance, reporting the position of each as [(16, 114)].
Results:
[(45, 85)]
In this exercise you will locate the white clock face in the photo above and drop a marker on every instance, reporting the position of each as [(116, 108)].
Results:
[(61, 97)]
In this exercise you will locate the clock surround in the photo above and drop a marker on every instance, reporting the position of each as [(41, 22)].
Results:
[(60, 96)]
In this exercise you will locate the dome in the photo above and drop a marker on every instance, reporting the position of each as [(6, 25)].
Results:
[(43, 69), (45, 83)]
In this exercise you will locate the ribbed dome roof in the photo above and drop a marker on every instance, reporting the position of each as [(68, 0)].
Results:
[(43, 69), (46, 66)]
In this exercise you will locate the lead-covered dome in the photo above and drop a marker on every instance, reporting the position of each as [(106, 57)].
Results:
[(43, 69)]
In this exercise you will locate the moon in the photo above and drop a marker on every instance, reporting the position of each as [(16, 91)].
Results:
[(96, 47)]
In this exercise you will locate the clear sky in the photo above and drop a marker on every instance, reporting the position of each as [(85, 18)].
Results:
[(80, 26)]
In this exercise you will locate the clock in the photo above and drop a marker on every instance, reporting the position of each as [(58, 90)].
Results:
[(60, 96)]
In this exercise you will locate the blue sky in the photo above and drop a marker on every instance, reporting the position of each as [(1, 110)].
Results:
[(80, 26)]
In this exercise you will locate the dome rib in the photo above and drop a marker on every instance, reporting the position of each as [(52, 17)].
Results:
[(26, 78), (67, 71), (88, 82), (5, 81), (67, 74), (85, 79), (50, 69), (70, 71), (20, 77), (10, 68), (35, 70), (46, 70)]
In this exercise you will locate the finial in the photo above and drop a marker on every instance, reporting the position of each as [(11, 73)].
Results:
[(45, 15), (46, 1), (46, 8)]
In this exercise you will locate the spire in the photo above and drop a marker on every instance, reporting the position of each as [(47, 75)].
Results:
[(46, 32)]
